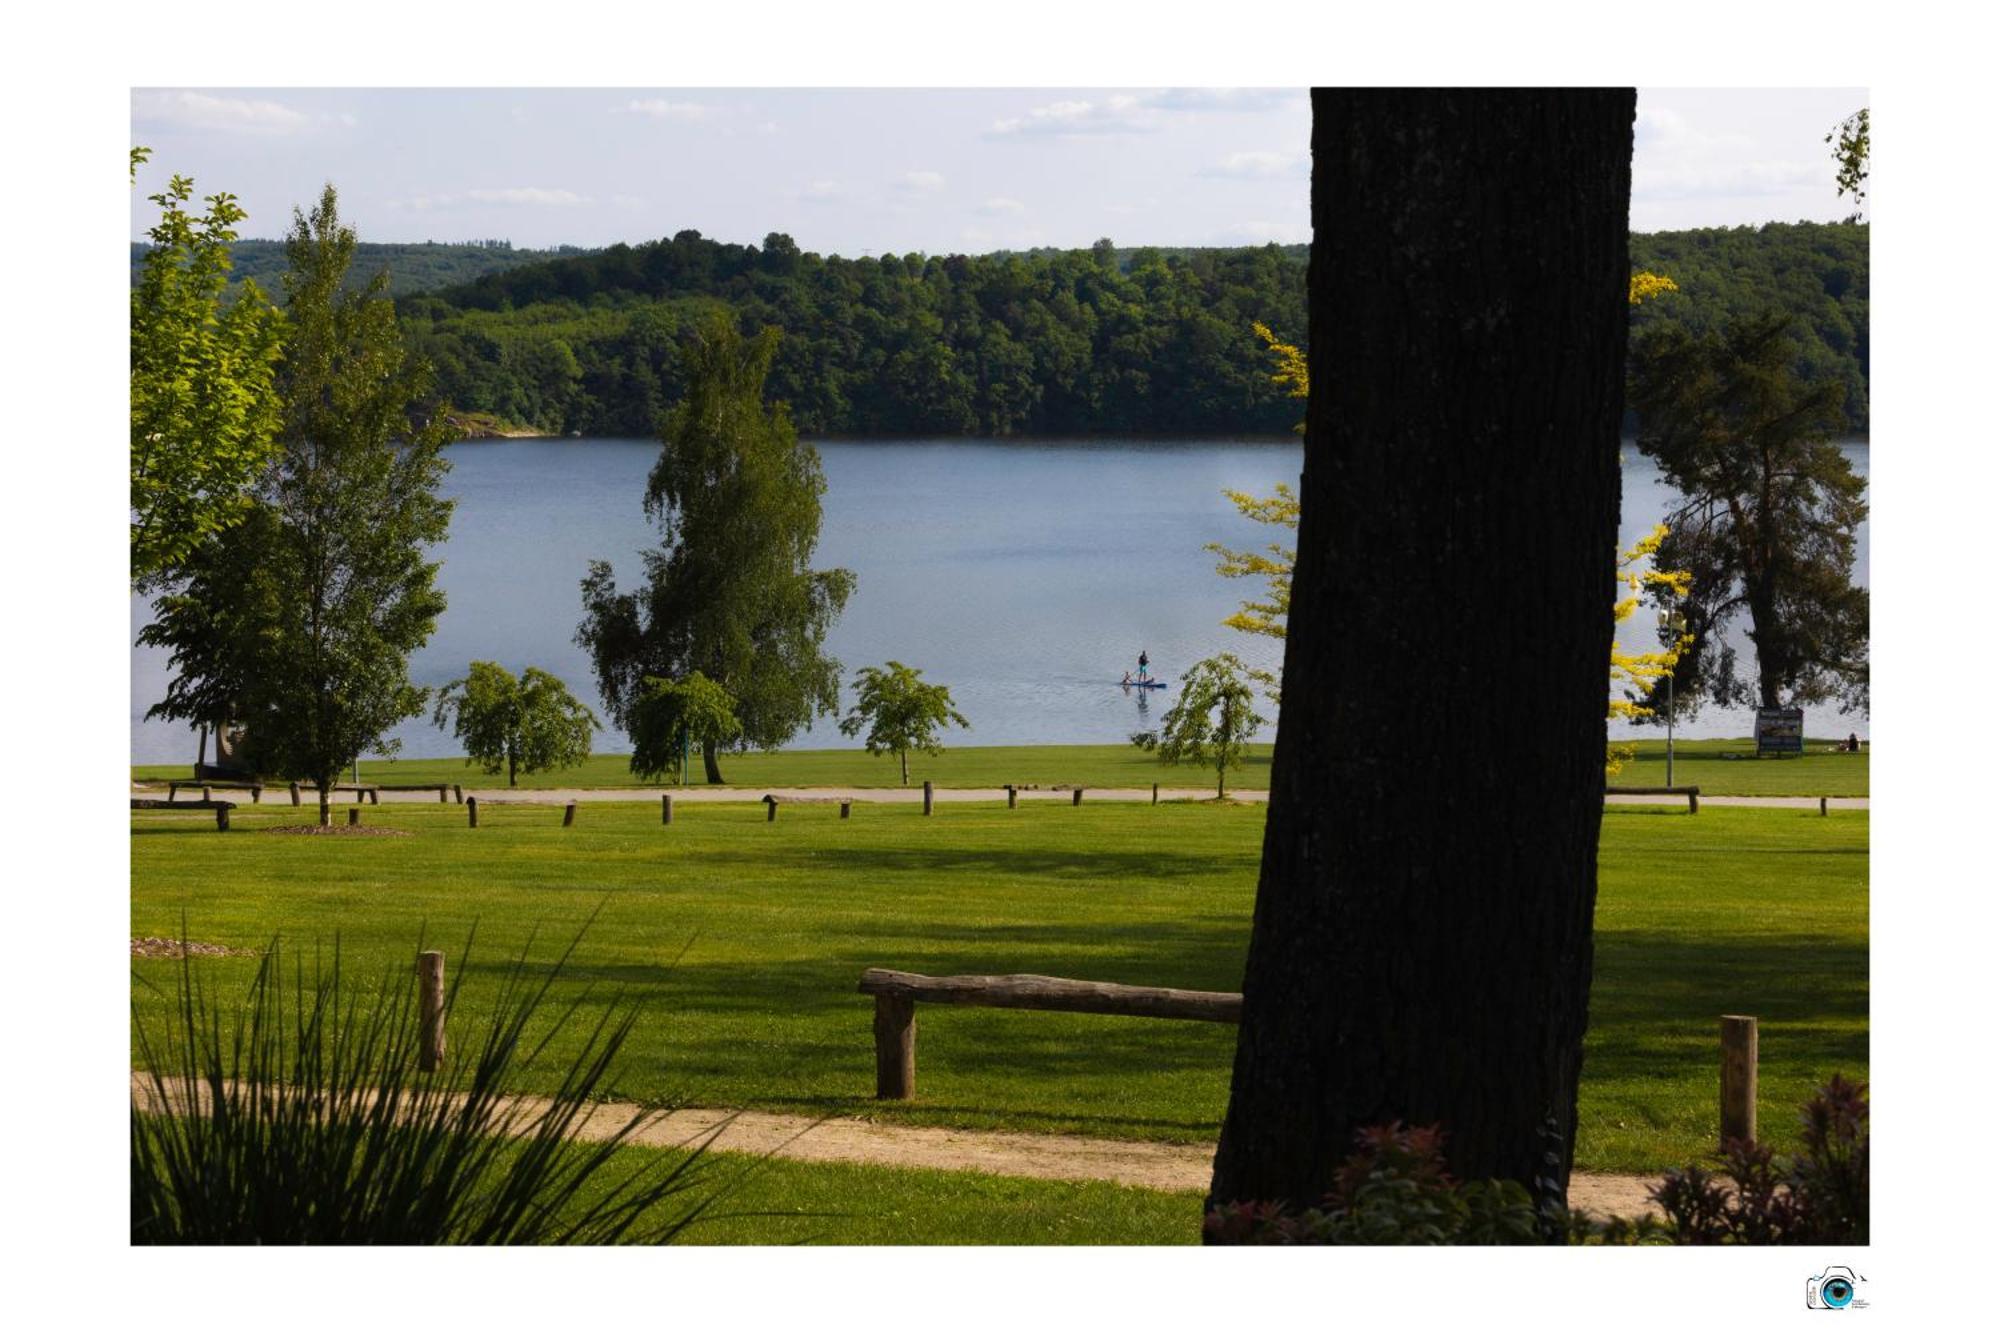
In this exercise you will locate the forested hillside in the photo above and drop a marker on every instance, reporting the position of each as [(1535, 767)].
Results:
[(412, 266), (1816, 271), (1049, 342), (1052, 344)]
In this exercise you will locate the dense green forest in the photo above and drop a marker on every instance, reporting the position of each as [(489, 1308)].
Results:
[(1047, 342), (1818, 272), (412, 266), (1053, 344)]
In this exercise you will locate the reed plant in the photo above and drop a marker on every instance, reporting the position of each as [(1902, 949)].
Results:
[(302, 1117)]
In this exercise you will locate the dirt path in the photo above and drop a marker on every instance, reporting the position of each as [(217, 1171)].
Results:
[(914, 795), (1171, 1167)]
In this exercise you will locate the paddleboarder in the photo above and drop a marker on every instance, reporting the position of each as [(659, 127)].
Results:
[(1142, 665)]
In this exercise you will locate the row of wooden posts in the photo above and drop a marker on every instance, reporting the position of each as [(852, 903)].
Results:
[(896, 995), (771, 804), (471, 803)]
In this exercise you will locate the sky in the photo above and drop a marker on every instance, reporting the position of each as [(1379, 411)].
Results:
[(858, 172)]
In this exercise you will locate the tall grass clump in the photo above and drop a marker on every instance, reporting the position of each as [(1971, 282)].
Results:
[(302, 1118)]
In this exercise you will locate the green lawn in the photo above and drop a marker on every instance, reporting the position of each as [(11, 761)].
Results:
[(1719, 768), (744, 941), (773, 1202)]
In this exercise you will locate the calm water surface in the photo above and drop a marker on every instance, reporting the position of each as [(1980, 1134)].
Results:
[(1026, 576)]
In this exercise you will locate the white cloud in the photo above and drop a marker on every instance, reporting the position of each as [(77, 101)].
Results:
[(1262, 164), (1140, 113), (1000, 205), (532, 195), (823, 192), (205, 111), (520, 195), (1673, 159), (1225, 99), (1260, 233), (920, 182), (659, 108), (1115, 115)]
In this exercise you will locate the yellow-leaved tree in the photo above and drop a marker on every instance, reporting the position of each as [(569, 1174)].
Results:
[(1274, 562), (1641, 670)]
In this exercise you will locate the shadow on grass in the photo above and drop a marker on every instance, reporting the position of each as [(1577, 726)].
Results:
[(1196, 953), (1027, 863), (1656, 1000)]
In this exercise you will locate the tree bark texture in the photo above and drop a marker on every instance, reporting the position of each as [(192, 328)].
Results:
[(1421, 949), (711, 765)]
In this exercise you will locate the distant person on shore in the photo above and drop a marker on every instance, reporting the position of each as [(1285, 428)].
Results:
[(1853, 743)]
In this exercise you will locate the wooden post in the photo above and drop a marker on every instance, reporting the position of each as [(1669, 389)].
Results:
[(430, 1010), (770, 809), (353, 815), (1011, 795), (846, 808), (569, 814), (256, 793), (895, 1048), (927, 795), (444, 797), (1156, 793), (295, 793), (458, 793), (1822, 806), (1076, 797), (1694, 800), (666, 807), (374, 796), (207, 795), (472, 812), (1739, 1078), (222, 818)]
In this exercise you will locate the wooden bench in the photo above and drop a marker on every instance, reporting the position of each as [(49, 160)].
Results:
[(363, 792), (221, 808), (896, 995), (1693, 794), (256, 789)]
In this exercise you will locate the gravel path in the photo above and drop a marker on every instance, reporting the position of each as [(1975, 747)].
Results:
[(1172, 1167)]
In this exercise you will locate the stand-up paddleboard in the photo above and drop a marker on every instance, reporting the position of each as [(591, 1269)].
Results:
[(1142, 684)]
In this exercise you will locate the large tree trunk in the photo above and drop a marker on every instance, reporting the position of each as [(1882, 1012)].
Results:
[(710, 763), (1421, 948)]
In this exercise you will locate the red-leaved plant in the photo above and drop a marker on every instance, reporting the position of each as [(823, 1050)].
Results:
[(1395, 1190), (1818, 1197)]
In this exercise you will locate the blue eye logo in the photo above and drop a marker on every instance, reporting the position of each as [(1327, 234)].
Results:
[(1834, 1290)]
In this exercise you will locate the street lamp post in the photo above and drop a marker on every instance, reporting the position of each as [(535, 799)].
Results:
[(1676, 623)]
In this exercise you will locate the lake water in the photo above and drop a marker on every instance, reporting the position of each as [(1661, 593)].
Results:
[(1026, 576)]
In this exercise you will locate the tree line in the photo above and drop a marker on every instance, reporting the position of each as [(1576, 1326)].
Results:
[(410, 266), (1050, 343)]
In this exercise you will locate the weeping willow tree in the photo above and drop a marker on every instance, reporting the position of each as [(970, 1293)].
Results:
[(730, 591)]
